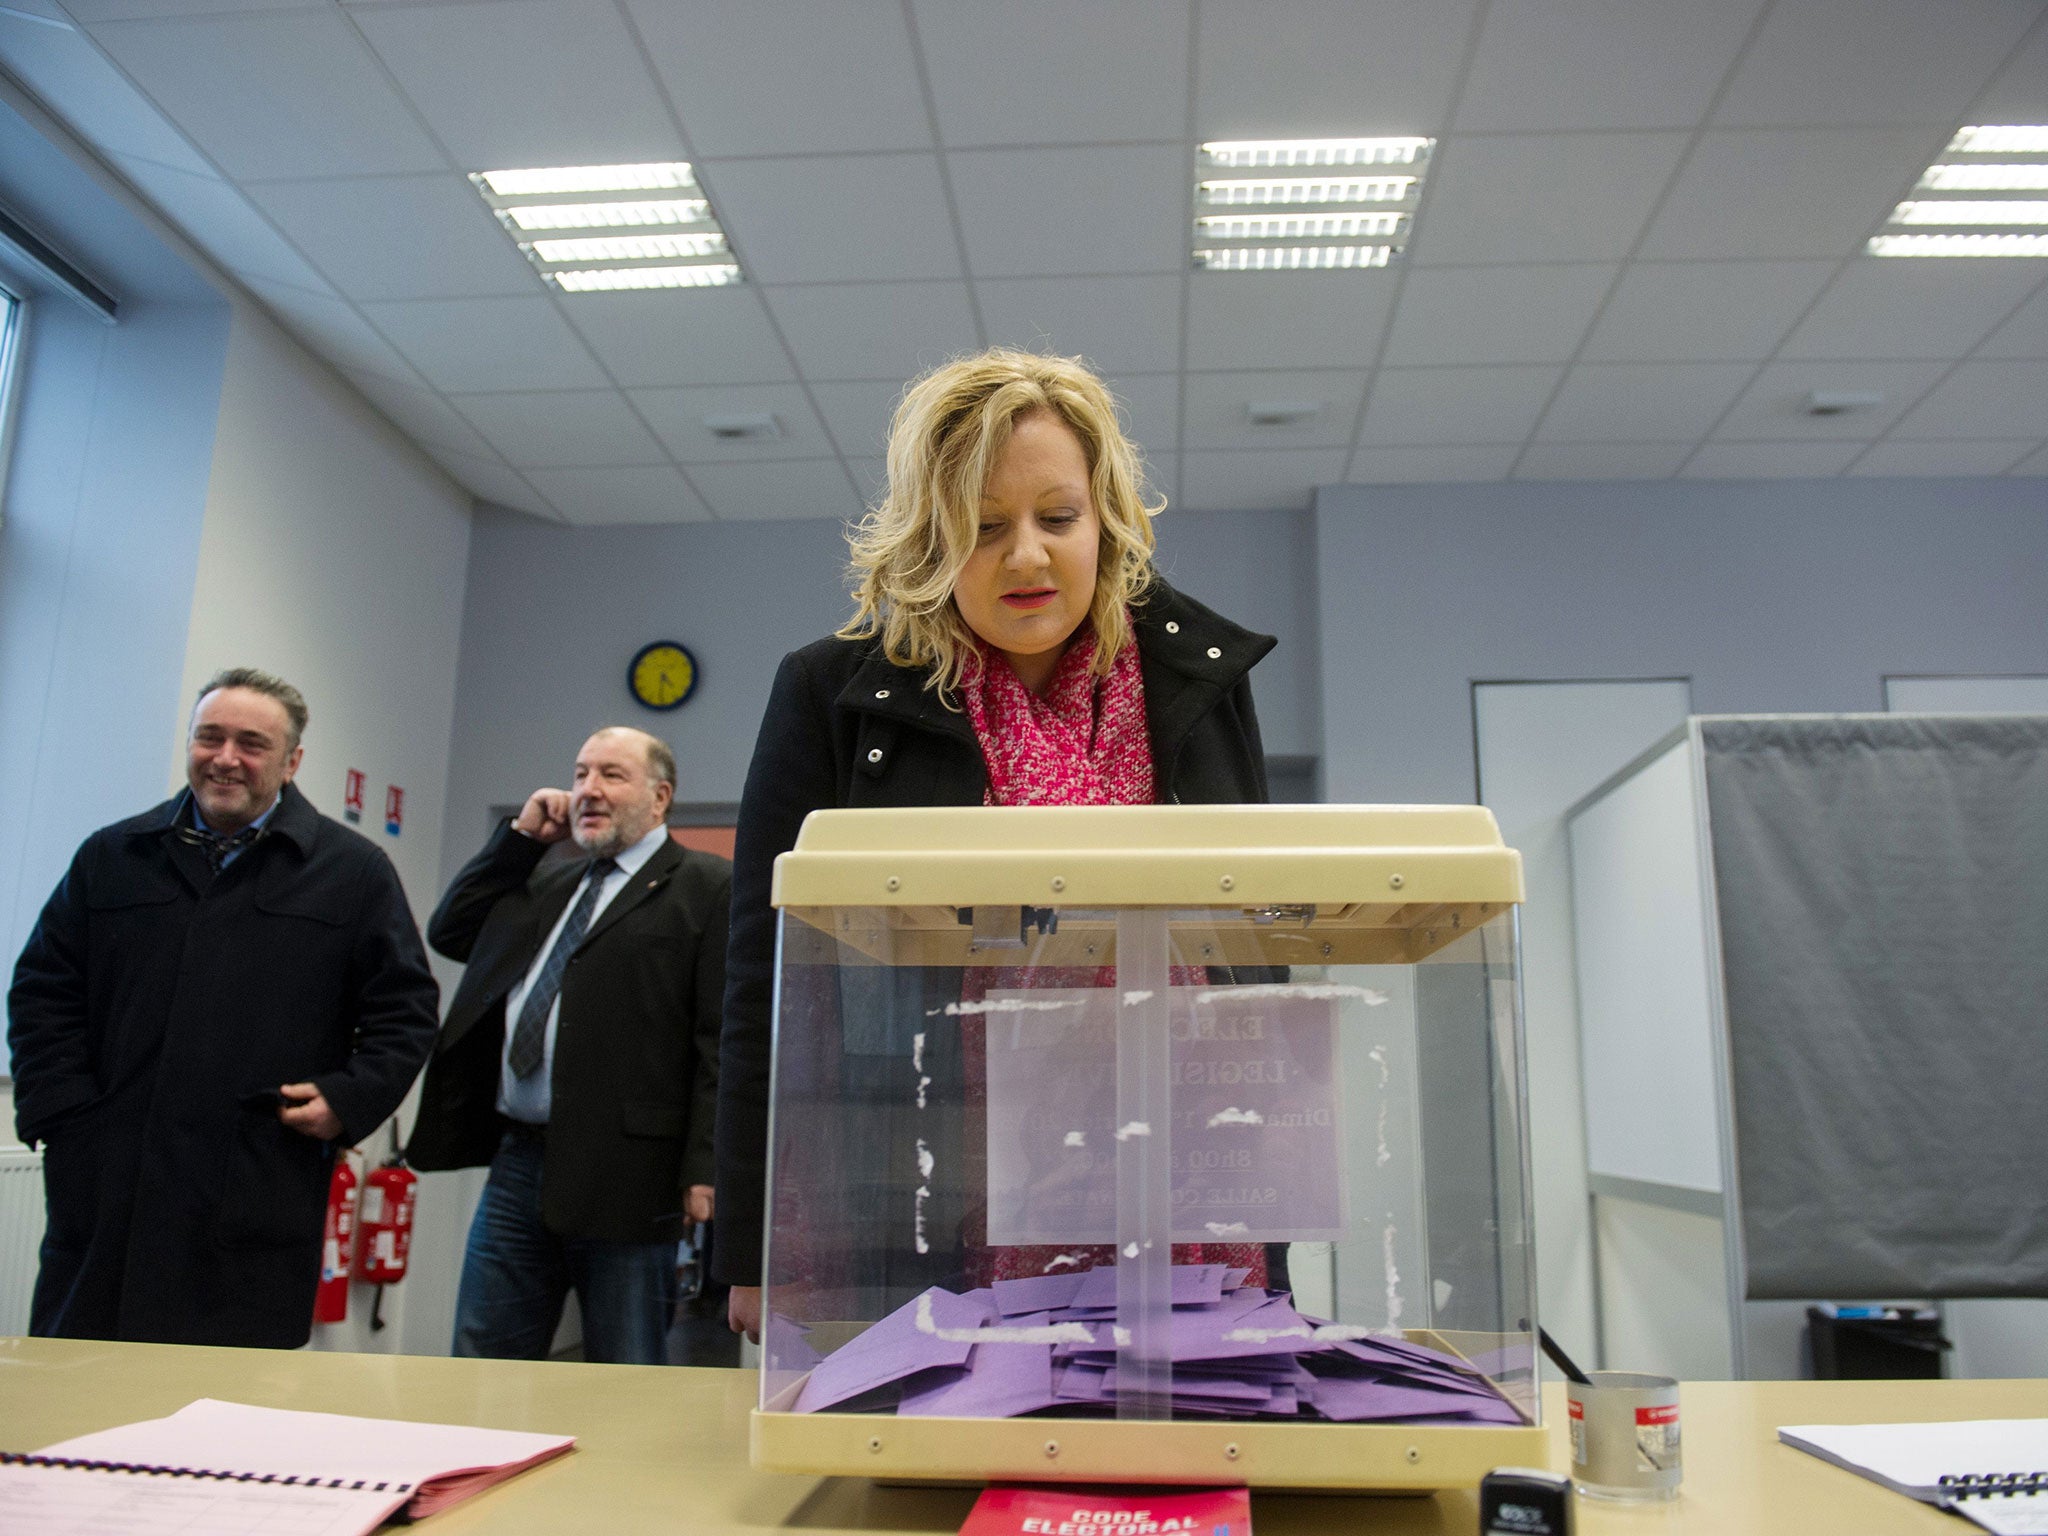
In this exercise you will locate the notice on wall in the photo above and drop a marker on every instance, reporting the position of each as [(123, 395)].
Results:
[(1256, 1136), (352, 796), (394, 809)]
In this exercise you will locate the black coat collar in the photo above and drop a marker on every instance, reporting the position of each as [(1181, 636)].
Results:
[(295, 820)]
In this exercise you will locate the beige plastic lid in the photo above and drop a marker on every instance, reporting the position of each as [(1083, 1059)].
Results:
[(1154, 855)]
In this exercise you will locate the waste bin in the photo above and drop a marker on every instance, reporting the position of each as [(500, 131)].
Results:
[(1875, 1343)]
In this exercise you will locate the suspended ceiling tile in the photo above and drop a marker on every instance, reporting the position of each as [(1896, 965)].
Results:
[(1148, 406), (684, 336), (1217, 415), (677, 416), (1120, 324), (1909, 458), (332, 328), (1984, 399), (1288, 319), (781, 488), (1121, 71), (781, 77), (1564, 64), (1543, 197), (482, 345), (513, 83), (1049, 212), (595, 498), (118, 10), (1775, 405), (562, 429), (1642, 402), (1257, 479), (1602, 461), (1325, 69), (1871, 61), (2034, 464), (873, 330), (74, 80), (494, 483), (872, 476), (1770, 461), (399, 237), (1890, 308), (2024, 335), (835, 218), (857, 414), (1455, 405), (2015, 96), (1435, 465), (295, 93), (1787, 193), (421, 414), (1532, 314), (1704, 311), (218, 219)]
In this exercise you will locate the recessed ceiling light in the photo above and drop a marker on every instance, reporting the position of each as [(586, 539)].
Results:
[(1347, 204), (671, 241), (1983, 224), (2002, 139)]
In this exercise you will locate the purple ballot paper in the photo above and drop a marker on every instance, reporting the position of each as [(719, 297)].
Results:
[(938, 1328), (999, 1381), (1255, 1138)]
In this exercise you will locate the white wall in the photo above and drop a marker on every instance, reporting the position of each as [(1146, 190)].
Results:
[(1770, 596)]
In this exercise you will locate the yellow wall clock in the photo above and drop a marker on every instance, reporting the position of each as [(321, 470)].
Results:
[(662, 675)]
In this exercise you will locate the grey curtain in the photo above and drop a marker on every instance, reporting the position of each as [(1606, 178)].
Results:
[(1883, 898)]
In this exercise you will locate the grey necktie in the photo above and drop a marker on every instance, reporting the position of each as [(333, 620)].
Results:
[(531, 1032)]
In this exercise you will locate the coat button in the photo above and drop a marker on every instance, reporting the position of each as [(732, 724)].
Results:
[(1173, 626), (875, 755), (881, 693), (1215, 654)]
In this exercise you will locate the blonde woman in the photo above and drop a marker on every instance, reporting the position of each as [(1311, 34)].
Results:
[(1011, 644)]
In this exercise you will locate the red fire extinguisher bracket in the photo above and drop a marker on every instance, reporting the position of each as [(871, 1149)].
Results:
[(337, 1244)]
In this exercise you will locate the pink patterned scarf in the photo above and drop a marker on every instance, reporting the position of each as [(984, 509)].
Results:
[(1077, 744)]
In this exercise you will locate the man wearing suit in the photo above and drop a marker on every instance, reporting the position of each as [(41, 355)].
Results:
[(579, 1058)]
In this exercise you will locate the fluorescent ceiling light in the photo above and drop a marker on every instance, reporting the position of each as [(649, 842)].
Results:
[(2017, 210), (1959, 245), (630, 248), (2018, 177), (555, 180), (1251, 154), (622, 279), (596, 229), (1280, 258), (535, 216), (2006, 139), (1307, 189), (1297, 226)]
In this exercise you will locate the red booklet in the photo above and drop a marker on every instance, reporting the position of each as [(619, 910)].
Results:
[(1039, 1511)]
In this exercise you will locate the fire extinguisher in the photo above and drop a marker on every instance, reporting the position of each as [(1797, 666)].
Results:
[(330, 1301), (385, 1231)]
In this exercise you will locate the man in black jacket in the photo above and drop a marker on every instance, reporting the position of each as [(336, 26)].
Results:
[(220, 992), (580, 1058)]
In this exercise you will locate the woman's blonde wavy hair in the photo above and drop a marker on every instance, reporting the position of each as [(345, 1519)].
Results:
[(950, 428)]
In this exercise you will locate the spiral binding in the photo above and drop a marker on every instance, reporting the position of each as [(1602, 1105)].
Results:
[(276, 1479), (1991, 1485)]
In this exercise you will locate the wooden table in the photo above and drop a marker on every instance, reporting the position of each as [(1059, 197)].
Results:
[(664, 1449)]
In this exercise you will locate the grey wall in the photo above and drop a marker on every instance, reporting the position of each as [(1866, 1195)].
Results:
[(554, 614), (1770, 596)]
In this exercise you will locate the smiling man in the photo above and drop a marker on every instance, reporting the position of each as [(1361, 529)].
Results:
[(220, 992), (579, 1058)]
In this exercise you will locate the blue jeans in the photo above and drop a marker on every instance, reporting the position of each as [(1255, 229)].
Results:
[(516, 1275)]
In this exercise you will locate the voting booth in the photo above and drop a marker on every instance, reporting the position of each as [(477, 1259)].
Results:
[(1073, 1108)]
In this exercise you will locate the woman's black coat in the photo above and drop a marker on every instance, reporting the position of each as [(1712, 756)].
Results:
[(845, 727)]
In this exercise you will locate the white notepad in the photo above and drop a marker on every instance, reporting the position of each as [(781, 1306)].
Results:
[(220, 1466), (1995, 1471)]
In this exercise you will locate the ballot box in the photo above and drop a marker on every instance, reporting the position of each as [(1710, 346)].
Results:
[(1163, 1144)]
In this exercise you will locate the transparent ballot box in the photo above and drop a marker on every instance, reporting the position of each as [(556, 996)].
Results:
[(1171, 1144)]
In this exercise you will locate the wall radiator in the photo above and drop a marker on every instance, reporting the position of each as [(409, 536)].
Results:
[(21, 1233)]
